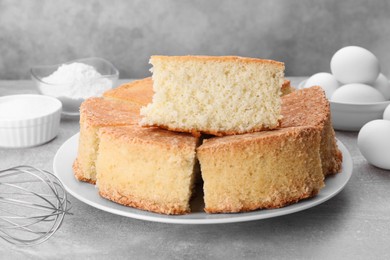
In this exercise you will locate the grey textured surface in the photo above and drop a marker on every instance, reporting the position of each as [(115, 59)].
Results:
[(352, 225), (302, 33)]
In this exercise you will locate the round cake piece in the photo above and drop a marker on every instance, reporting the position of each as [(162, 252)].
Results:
[(147, 168), (268, 169), (94, 114)]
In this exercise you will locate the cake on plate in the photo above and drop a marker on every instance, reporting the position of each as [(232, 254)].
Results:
[(268, 169), (274, 145), (147, 168)]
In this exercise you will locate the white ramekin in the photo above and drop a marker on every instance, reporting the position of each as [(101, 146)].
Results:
[(28, 120)]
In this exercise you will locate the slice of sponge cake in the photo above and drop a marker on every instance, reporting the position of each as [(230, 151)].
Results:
[(268, 169), (147, 168), (214, 95), (96, 113), (310, 107)]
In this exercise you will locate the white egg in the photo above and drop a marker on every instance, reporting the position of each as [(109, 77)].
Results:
[(355, 64), (357, 93), (386, 113), (374, 143), (382, 84), (325, 80)]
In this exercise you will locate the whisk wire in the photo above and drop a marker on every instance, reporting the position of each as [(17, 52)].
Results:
[(33, 204)]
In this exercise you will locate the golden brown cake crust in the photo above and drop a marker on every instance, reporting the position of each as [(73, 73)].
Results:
[(241, 142), (138, 92), (78, 173), (126, 167), (94, 113), (103, 112), (286, 87), (169, 208), (310, 107), (218, 59), (305, 107), (277, 203), (212, 132), (150, 136)]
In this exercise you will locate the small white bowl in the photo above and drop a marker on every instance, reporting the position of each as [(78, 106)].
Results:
[(352, 117), (71, 105), (28, 120)]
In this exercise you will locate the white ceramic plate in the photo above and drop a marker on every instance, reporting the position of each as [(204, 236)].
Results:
[(87, 193)]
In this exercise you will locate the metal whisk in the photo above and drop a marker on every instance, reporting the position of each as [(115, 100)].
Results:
[(33, 204)]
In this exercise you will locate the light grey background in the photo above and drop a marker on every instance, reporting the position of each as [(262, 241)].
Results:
[(302, 33)]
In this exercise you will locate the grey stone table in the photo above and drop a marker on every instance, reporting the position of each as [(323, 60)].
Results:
[(355, 224)]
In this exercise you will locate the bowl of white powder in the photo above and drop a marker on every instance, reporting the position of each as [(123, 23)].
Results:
[(74, 81)]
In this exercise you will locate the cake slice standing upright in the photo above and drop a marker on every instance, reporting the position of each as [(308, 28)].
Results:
[(214, 95)]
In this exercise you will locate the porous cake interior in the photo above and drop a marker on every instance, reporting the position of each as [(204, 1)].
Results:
[(214, 95), (260, 170), (147, 168)]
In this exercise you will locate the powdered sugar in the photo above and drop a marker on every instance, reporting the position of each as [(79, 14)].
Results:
[(75, 80)]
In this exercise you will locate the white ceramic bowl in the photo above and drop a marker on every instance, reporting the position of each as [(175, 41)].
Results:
[(71, 105), (28, 120), (352, 117)]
